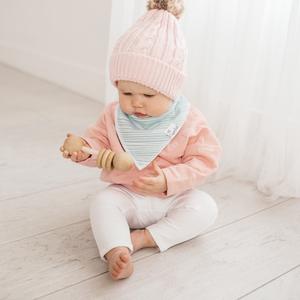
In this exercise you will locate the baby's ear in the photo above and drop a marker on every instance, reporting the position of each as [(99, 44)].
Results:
[(116, 84)]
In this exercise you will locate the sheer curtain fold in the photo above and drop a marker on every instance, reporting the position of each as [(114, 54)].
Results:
[(244, 75)]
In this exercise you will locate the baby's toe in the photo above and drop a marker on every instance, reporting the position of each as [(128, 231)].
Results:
[(125, 258), (121, 265)]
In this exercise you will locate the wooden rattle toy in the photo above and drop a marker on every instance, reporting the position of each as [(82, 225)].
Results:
[(106, 159)]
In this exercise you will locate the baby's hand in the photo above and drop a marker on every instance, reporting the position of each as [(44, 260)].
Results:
[(76, 156), (151, 185)]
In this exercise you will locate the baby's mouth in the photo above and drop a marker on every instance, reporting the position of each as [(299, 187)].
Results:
[(140, 114)]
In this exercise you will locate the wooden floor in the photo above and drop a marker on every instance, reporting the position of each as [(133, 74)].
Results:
[(47, 249)]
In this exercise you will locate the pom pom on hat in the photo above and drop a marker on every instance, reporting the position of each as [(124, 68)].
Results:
[(175, 7)]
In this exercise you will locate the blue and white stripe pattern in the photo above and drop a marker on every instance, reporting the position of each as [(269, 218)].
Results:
[(144, 139)]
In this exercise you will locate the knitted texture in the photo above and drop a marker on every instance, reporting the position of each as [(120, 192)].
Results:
[(152, 53)]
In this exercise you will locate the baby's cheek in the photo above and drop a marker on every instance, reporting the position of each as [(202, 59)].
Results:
[(155, 111), (160, 106), (125, 105)]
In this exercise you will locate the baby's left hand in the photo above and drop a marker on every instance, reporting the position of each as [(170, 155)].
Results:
[(151, 185)]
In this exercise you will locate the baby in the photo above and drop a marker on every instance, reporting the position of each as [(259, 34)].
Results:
[(172, 147)]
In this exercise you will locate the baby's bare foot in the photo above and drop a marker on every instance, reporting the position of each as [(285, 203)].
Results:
[(120, 264), (142, 239)]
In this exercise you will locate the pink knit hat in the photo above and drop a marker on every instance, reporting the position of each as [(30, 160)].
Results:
[(153, 52)]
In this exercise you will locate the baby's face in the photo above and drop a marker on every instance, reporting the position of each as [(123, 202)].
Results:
[(139, 100)]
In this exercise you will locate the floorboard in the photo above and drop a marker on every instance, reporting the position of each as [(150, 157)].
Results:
[(42, 176), (285, 287), (51, 210)]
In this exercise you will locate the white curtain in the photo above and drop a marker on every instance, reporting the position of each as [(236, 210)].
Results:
[(244, 75)]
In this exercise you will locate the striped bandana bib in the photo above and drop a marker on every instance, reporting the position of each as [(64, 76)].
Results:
[(144, 139)]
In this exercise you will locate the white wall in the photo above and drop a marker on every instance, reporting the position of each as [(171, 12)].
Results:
[(62, 41)]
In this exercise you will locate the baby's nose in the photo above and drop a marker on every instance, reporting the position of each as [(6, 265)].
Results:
[(137, 102)]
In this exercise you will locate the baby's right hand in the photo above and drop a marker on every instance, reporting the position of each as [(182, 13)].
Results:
[(76, 156)]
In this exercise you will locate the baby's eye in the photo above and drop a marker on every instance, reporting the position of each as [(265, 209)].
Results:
[(148, 95), (127, 94)]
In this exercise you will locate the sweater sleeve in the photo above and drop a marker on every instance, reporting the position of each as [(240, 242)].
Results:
[(96, 136), (199, 161)]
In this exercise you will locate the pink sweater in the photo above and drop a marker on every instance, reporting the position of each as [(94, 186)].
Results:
[(186, 161)]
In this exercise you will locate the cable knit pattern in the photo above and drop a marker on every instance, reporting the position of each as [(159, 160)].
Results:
[(152, 53)]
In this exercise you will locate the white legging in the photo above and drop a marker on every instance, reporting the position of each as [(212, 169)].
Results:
[(170, 221)]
